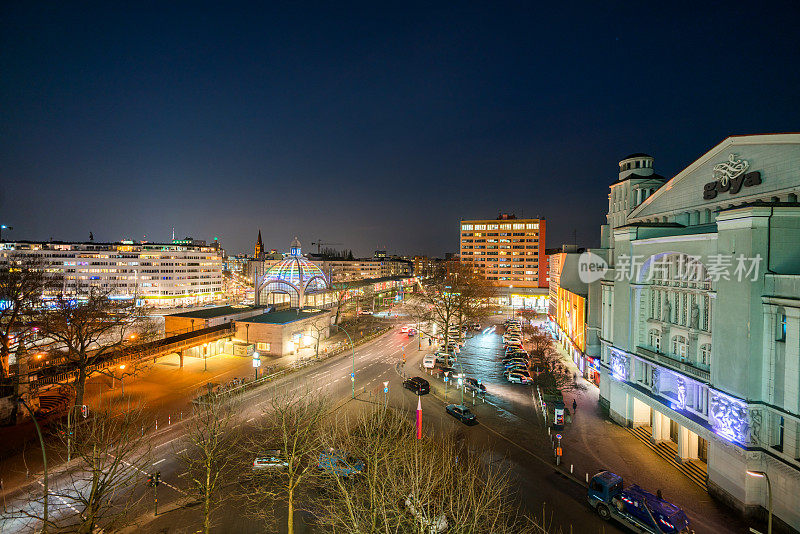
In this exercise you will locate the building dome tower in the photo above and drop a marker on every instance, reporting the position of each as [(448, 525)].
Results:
[(294, 277), (639, 164)]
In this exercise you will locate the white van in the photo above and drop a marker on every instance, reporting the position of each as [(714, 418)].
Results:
[(429, 361)]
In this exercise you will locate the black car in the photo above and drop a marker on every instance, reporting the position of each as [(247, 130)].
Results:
[(418, 385), (461, 412), (472, 383)]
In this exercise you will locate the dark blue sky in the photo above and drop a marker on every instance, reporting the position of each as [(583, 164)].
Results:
[(367, 124)]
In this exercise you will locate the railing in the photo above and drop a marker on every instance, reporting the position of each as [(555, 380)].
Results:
[(144, 351), (676, 364)]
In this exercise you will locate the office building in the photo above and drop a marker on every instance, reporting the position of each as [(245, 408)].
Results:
[(510, 254), (156, 274)]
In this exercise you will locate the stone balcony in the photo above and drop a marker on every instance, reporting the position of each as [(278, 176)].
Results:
[(695, 370)]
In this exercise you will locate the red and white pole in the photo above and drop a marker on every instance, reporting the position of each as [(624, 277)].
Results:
[(419, 418)]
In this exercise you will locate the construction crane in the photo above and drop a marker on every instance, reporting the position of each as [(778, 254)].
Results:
[(320, 243)]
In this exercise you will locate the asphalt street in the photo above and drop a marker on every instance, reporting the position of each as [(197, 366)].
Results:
[(509, 431)]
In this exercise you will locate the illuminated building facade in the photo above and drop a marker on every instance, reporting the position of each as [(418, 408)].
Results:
[(510, 254), (157, 274), (567, 309), (507, 251), (697, 319), (290, 281)]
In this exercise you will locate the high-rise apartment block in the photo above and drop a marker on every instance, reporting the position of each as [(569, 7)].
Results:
[(508, 251)]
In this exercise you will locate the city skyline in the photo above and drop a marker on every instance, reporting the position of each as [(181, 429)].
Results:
[(219, 121)]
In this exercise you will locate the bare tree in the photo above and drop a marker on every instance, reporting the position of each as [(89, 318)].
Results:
[(97, 489), (87, 327), (23, 283), (319, 329), (417, 486), (210, 437), (343, 298), (453, 295), (547, 361), (294, 425)]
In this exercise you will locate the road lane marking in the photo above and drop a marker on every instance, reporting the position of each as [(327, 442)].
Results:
[(158, 462)]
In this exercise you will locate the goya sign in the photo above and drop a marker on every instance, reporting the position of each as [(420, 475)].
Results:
[(731, 176)]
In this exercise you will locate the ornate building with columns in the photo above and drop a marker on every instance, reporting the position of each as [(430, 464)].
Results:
[(696, 322)]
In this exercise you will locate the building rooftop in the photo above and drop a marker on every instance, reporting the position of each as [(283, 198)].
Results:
[(637, 155), (284, 316), (216, 311), (634, 176)]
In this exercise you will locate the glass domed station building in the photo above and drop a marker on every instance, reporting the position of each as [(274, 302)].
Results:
[(294, 282)]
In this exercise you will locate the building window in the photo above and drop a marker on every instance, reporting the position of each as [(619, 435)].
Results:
[(782, 327), (706, 313), (705, 354), (777, 433), (679, 346), (684, 298), (263, 346), (654, 338)]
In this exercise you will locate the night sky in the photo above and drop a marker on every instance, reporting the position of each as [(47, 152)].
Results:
[(371, 125)]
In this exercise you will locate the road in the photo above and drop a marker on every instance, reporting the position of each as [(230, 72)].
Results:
[(509, 430)]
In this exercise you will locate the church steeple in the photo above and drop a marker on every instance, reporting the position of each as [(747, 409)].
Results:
[(259, 247)]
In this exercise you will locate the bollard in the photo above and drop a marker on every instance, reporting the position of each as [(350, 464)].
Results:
[(587, 478), (548, 430), (570, 469), (169, 420), (156, 424), (181, 416), (143, 430)]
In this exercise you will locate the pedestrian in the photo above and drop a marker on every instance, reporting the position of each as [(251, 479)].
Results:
[(658, 494), (574, 405)]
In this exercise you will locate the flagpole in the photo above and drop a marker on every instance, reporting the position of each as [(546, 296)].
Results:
[(419, 418)]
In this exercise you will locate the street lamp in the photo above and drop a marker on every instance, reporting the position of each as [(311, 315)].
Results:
[(122, 378), (4, 227), (256, 362), (205, 356), (762, 474), (353, 374)]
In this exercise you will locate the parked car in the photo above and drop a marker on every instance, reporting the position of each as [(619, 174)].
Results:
[(516, 369), (429, 361), (404, 329), (519, 378), (461, 412), (474, 384), (270, 460), (418, 385), (476, 326), (336, 462), (514, 362)]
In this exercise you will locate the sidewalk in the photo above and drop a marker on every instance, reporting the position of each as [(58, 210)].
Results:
[(592, 443)]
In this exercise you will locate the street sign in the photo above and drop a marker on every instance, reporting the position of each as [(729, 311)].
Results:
[(352, 375), (558, 451), (558, 436)]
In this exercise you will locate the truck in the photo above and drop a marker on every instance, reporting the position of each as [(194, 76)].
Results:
[(634, 507)]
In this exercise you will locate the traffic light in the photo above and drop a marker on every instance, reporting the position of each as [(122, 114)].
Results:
[(158, 478), (150, 480), (85, 411)]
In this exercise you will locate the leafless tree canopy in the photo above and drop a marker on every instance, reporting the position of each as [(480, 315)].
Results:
[(453, 295), (86, 326), (413, 486), (23, 283), (97, 489), (296, 425), (210, 437), (547, 360)]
